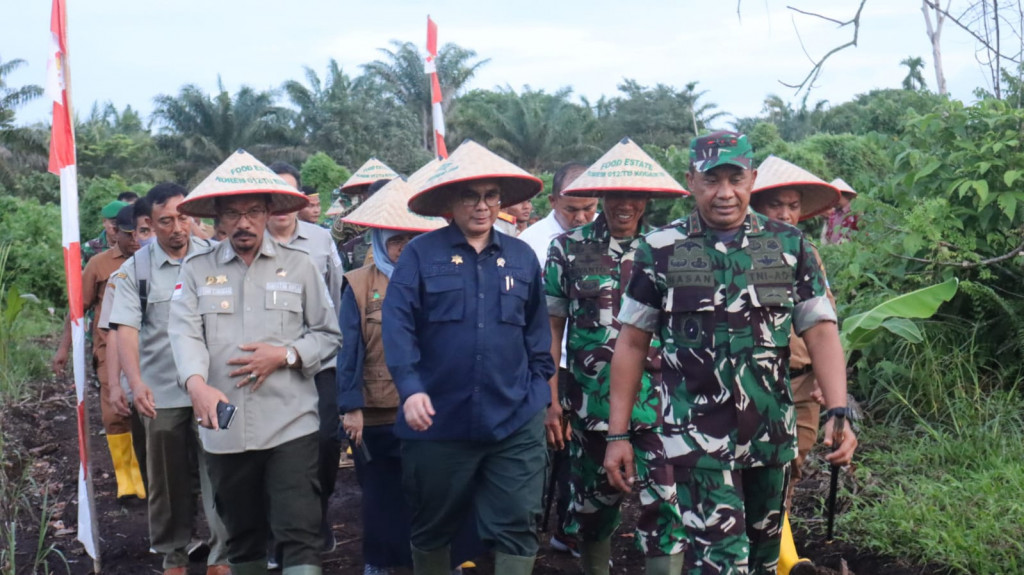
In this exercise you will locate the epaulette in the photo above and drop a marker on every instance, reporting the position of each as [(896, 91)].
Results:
[(507, 217)]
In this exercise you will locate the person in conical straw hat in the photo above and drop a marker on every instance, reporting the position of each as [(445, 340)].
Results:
[(584, 294), (367, 395), (467, 341), (251, 324), (841, 220), (788, 193), (722, 287)]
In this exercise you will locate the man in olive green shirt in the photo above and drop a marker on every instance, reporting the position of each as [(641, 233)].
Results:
[(251, 324), (173, 455)]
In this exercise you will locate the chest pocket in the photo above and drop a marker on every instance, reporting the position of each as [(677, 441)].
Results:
[(771, 312), (515, 291), (443, 298), (218, 313), (158, 308), (284, 312), (585, 294), (691, 316), (372, 310)]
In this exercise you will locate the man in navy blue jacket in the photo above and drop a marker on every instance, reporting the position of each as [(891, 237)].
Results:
[(467, 342)]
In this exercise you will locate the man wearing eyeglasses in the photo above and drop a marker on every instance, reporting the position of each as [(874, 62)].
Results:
[(173, 454), (251, 324), (467, 343)]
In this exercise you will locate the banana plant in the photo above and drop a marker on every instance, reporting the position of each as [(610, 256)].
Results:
[(896, 316)]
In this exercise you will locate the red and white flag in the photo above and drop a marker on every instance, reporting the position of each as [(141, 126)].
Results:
[(62, 163), (435, 90)]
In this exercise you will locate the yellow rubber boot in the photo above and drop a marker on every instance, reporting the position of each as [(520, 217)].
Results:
[(789, 562), (134, 470), (122, 456)]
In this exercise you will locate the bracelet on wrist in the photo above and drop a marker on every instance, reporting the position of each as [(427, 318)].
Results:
[(616, 437)]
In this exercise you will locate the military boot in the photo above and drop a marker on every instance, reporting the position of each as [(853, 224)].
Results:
[(665, 565), (436, 562), (595, 557), (512, 564)]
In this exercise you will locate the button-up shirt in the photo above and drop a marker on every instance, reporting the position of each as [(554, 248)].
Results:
[(471, 330), (155, 360), (94, 284), (280, 299), (584, 284), (538, 237), (724, 311)]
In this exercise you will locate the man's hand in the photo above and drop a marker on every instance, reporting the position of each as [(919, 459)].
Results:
[(817, 395), (618, 463), (845, 439), (558, 432), (117, 399), (204, 401), (144, 401), (352, 422), (59, 361), (419, 411), (264, 360)]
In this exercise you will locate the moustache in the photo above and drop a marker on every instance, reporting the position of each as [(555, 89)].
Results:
[(243, 234)]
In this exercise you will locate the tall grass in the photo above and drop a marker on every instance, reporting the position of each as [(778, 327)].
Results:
[(944, 478), (21, 318)]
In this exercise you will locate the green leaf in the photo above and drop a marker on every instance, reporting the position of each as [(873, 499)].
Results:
[(983, 167), (980, 186), (1011, 176), (927, 169), (904, 328), (1008, 204), (858, 330)]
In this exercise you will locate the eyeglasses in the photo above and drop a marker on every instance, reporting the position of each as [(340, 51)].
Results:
[(232, 216), (471, 199)]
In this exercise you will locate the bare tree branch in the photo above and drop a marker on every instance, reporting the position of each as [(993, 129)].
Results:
[(934, 5), (969, 265), (808, 80)]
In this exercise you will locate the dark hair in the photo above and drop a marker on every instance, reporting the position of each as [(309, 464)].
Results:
[(160, 193), (218, 201), (309, 190), (286, 168), (127, 197), (558, 182), (142, 207), (376, 186)]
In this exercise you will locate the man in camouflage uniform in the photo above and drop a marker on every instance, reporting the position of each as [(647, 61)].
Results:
[(104, 241), (584, 290), (722, 287)]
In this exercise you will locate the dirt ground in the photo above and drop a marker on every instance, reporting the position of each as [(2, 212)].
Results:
[(43, 430)]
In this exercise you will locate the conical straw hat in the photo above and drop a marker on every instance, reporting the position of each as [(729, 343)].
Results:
[(242, 174), (625, 168), (367, 174), (843, 187), (423, 174), (816, 195), (336, 208), (389, 209), (471, 161)]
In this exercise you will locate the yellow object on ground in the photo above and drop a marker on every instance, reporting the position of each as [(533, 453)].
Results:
[(126, 467), (788, 558)]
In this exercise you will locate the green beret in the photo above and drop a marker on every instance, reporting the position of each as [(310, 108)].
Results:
[(110, 210)]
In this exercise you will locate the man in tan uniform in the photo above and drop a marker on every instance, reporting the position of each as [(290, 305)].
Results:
[(173, 455), (251, 323)]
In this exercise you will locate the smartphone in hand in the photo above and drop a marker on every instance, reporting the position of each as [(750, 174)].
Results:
[(225, 414)]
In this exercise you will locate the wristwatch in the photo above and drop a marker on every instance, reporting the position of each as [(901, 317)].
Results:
[(843, 411), (291, 358)]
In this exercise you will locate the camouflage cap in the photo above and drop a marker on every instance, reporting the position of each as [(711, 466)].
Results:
[(721, 148)]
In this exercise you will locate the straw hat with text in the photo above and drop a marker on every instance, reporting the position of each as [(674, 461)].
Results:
[(816, 195), (625, 168), (471, 161), (242, 174), (367, 174), (389, 209)]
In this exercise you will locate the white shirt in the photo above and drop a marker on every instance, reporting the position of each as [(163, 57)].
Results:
[(538, 237)]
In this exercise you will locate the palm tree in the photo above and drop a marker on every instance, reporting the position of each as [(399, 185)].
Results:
[(914, 79), (401, 73), (16, 141), (205, 130)]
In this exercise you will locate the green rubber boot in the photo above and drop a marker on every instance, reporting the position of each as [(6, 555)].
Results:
[(512, 564), (302, 570), (436, 562), (595, 556), (665, 565), (250, 568)]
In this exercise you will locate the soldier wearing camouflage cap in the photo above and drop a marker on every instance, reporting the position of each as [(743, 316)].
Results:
[(722, 287), (584, 288)]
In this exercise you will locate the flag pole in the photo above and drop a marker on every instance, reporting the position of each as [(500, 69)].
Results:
[(436, 96), (63, 163)]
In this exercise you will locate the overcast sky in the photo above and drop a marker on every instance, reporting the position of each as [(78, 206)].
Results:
[(128, 51)]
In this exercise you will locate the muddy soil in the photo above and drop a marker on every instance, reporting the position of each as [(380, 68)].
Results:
[(41, 438)]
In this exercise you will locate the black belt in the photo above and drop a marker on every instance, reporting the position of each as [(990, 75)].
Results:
[(795, 373)]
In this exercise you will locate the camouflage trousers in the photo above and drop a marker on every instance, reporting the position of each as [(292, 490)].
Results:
[(732, 518), (594, 508)]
